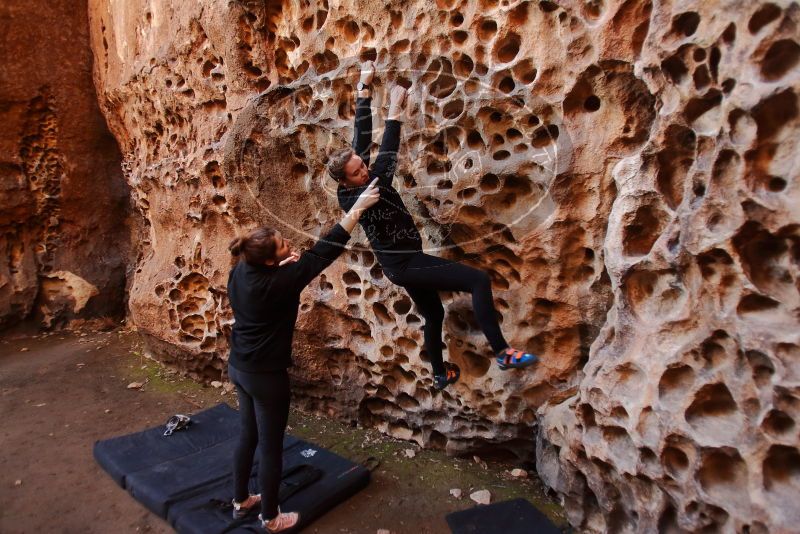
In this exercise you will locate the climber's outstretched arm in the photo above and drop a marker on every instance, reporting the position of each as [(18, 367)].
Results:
[(386, 162), (300, 269), (362, 131)]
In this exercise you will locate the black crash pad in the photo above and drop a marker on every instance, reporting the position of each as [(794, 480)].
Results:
[(184, 480), (517, 516), (340, 479), (127, 454)]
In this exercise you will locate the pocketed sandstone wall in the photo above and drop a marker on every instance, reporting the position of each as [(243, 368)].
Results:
[(64, 239), (625, 171), (685, 418)]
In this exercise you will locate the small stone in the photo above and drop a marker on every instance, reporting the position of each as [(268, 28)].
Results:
[(384, 531), (409, 453), (216, 384), (481, 496), (107, 410), (24, 349), (519, 473), (480, 462), (18, 482), (135, 385), (456, 492)]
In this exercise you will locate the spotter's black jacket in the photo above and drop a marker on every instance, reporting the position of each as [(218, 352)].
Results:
[(265, 299)]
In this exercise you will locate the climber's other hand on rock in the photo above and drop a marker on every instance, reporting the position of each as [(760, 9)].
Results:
[(367, 73), (397, 102)]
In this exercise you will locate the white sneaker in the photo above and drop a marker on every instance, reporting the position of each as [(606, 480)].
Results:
[(280, 522), (241, 509)]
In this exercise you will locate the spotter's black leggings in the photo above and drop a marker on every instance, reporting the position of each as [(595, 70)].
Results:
[(264, 407), (423, 276)]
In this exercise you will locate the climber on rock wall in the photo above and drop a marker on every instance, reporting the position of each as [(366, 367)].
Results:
[(397, 243), (264, 292)]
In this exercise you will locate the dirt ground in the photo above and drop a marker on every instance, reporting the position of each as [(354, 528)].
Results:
[(61, 392)]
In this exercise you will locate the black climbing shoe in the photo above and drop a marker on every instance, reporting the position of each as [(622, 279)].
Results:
[(452, 373)]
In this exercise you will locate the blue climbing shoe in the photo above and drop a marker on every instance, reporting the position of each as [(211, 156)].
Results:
[(511, 358), (452, 373)]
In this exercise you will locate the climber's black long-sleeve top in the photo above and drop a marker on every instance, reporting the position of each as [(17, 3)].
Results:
[(265, 299), (388, 224)]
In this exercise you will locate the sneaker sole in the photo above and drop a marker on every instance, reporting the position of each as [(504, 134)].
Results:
[(504, 367), (270, 531), (437, 388)]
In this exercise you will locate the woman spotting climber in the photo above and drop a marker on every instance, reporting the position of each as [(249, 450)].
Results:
[(264, 292), (397, 243)]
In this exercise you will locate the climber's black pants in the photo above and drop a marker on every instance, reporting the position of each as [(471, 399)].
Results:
[(423, 276), (264, 408)]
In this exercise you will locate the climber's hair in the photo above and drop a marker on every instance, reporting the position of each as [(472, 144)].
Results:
[(336, 162), (257, 246)]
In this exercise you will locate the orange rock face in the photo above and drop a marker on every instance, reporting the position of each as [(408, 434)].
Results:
[(626, 173), (64, 239)]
